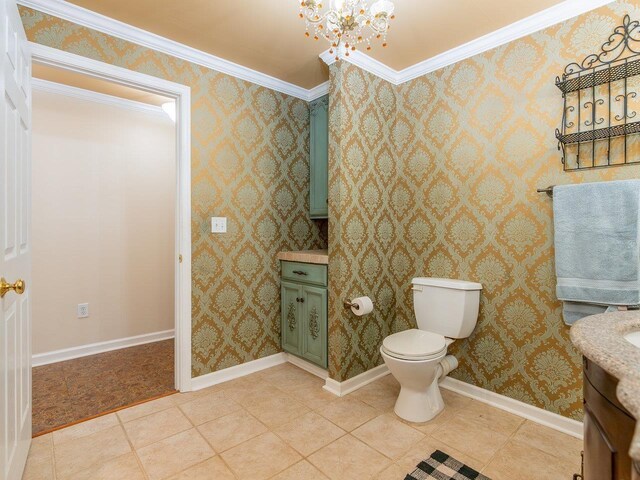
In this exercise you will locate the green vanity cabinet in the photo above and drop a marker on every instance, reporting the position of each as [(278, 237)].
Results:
[(291, 313), (314, 315), (304, 311), (319, 159)]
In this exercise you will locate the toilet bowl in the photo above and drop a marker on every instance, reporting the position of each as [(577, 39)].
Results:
[(413, 357), (445, 310)]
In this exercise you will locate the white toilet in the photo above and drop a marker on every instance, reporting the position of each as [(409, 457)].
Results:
[(445, 310)]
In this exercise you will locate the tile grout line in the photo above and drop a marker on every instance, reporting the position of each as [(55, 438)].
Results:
[(502, 446), (304, 457), (147, 402), (53, 459), (444, 425), (528, 445), (457, 414), (215, 452), (273, 430), (241, 408), (135, 452), (55, 462)]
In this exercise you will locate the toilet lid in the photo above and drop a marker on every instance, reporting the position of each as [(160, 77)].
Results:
[(415, 344)]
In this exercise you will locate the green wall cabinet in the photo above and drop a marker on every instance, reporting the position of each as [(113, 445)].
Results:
[(304, 311), (319, 158)]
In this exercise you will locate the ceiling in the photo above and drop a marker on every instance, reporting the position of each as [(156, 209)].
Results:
[(268, 36), (74, 79)]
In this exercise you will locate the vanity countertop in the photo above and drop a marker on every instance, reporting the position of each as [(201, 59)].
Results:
[(600, 338), (306, 256)]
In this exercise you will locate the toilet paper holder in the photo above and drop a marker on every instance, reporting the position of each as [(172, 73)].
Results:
[(350, 304)]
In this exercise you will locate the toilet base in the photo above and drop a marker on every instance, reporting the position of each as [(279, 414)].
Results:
[(419, 406)]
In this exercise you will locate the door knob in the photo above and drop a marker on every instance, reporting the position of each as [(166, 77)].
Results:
[(17, 287)]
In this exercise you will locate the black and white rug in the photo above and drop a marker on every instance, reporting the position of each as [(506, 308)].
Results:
[(441, 466)]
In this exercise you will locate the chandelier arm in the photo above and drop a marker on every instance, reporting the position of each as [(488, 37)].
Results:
[(348, 22)]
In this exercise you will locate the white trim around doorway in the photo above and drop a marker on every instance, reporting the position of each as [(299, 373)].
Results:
[(44, 55)]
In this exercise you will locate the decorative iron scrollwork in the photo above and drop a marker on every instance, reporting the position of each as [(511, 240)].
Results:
[(624, 39), (314, 328), (599, 112), (291, 317)]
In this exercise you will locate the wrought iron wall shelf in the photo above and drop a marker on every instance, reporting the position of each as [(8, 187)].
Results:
[(601, 96), (600, 134), (599, 77)]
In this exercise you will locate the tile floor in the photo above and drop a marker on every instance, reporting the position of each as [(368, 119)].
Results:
[(66, 392), (280, 424)]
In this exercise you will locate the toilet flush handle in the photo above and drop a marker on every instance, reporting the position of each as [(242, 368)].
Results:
[(416, 289)]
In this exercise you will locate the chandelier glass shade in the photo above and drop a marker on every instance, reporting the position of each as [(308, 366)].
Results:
[(347, 24)]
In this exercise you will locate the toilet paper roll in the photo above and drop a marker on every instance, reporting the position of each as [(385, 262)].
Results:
[(362, 306)]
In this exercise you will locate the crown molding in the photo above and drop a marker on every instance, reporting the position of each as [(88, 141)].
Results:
[(319, 91), (328, 58), (362, 60), (101, 23), (534, 23), (539, 21), (91, 96)]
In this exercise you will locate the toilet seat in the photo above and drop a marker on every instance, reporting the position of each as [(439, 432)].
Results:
[(415, 345)]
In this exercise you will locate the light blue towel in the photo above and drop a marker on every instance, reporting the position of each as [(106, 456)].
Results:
[(597, 246)]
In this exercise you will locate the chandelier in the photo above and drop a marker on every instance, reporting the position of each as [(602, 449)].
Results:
[(347, 24)]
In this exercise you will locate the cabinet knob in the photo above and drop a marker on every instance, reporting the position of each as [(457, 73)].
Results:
[(300, 272)]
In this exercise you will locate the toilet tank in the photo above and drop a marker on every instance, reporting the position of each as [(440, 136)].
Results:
[(445, 306)]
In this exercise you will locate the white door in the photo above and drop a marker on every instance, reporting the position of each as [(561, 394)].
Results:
[(15, 251)]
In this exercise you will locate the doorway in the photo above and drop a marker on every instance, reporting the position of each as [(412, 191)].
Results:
[(114, 366)]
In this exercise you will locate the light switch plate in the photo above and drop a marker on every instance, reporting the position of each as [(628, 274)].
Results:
[(218, 224)]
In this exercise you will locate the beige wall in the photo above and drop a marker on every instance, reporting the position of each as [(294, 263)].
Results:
[(103, 222)]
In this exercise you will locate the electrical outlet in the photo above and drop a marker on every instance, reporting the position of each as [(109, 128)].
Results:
[(218, 224), (83, 310)]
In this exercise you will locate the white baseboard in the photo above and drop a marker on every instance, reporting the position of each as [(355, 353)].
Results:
[(46, 358), (535, 414), (307, 366), (340, 389), (231, 373), (343, 388)]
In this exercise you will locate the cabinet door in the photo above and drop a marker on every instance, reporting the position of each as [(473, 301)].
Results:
[(291, 304), (599, 454), (319, 159), (314, 320)]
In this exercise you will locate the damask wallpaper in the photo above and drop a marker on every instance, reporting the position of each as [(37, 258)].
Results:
[(435, 177), (250, 157), (454, 195), (363, 213)]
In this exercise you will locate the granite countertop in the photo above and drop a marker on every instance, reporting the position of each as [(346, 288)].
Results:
[(306, 256), (601, 339)]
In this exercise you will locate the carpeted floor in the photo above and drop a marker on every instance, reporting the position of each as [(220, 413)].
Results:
[(66, 392)]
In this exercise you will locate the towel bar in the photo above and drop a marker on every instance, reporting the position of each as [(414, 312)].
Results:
[(548, 190)]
